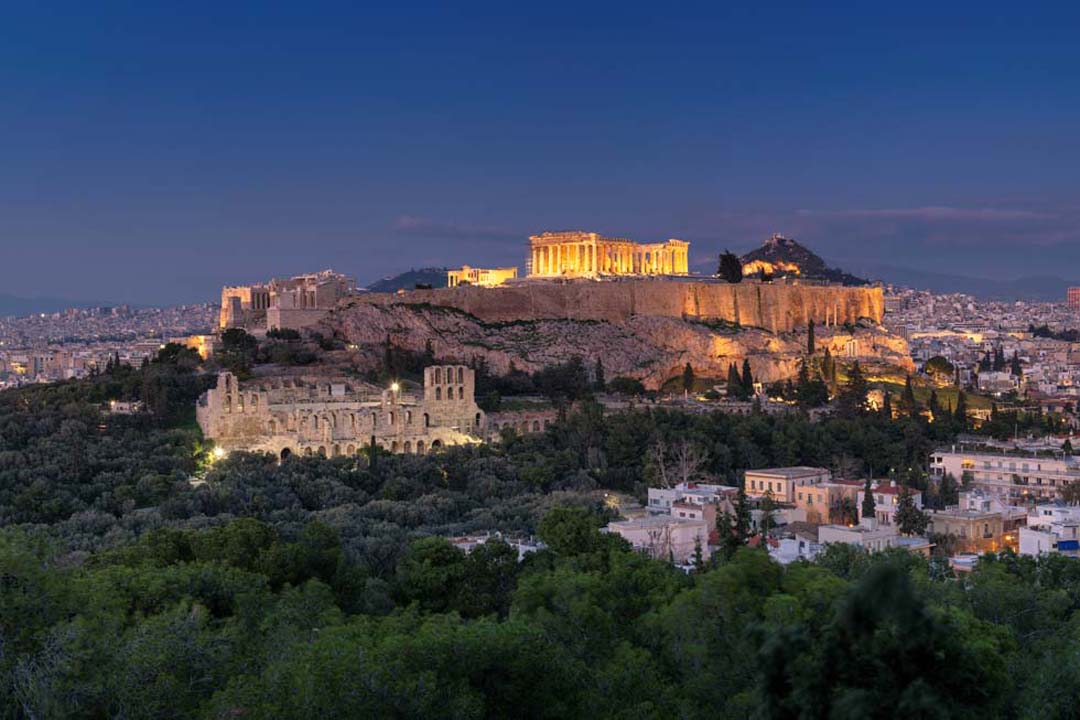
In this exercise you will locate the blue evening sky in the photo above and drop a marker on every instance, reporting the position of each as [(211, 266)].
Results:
[(150, 152)]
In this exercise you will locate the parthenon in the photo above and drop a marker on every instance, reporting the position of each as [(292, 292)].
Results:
[(585, 254)]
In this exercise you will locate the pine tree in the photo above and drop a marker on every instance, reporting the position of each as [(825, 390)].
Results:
[(910, 520), (747, 378), (852, 399), (868, 509), (810, 337), (598, 375), (730, 267)]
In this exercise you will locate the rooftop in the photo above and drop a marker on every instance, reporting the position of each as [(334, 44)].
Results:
[(788, 472)]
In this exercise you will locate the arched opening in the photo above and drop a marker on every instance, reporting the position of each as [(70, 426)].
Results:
[(390, 419), (228, 403), (307, 452), (438, 393), (285, 453), (315, 423), (476, 420), (408, 447), (322, 450), (350, 449), (436, 444), (438, 376), (460, 375), (254, 402), (408, 417), (427, 420), (393, 446), (449, 393), (536, 426), (335, 450), (374, 420), (419, 447)]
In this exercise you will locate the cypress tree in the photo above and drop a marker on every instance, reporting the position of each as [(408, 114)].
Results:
[(747, 378), (868, 500), (598, 375), (909, 398), (734, 382), (886, 407), (960, 414), (810, 337), (688, 378)]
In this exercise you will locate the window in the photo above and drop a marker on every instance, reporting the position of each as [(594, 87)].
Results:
[(438, 393)]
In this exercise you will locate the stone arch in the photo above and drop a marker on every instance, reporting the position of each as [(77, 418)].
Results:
[(438, 393), (315, 423), (335, 451), (536, 426), (322, 450), (350, 449), (427, 420), (408, 447), (419, 447), (460, 375), (450, 393), (307, 452), (228, 403), (285, 454), (476, 420), (438, 376), (436, 444), (408, 417), (390, 418), (393, 446)]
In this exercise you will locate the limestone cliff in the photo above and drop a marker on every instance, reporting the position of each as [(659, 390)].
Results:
[(651, 347), (775, 307)]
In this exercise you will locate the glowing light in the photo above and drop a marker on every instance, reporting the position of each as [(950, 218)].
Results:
[(395, 387), (219, 453)]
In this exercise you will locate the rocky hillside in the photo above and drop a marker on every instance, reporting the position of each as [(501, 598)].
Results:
[(781, 256), (650, 348)]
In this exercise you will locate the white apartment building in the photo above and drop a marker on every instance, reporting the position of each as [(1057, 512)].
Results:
[(1051, 528), (1015, 476)]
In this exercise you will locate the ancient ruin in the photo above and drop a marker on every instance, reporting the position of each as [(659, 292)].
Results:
[(484, 277), (311, 415), (294, 303), (589, 254)]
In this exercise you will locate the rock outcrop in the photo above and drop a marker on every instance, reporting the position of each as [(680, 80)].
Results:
[(650, 347), (774, 307)]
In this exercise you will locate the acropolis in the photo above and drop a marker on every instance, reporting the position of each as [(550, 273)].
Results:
[(589, 254), (293, 303)]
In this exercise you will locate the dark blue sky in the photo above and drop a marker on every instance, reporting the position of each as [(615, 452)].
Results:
[(150, 152)]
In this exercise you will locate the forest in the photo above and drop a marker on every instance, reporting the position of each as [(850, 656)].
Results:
[(142, 577)]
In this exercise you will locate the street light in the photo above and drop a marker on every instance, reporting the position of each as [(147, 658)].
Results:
[(219, 453), (394, 387)]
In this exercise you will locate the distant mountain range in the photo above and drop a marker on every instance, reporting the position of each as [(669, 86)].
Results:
[(1035, 288), (435, 277), (780, 255)]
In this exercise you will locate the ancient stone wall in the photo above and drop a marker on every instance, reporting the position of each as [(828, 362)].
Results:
[(772, 307)]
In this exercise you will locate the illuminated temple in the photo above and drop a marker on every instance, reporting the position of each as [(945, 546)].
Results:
[(584, 254)]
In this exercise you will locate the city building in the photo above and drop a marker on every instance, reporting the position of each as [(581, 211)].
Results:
[(886, 501), (666, 537), (287, 415), (483, 277), (1072, 296), (1015, 476), (293, 303), (588, 254), (979, 523), (661, 500), (1051, 528), (822, 502), (782, 482)]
